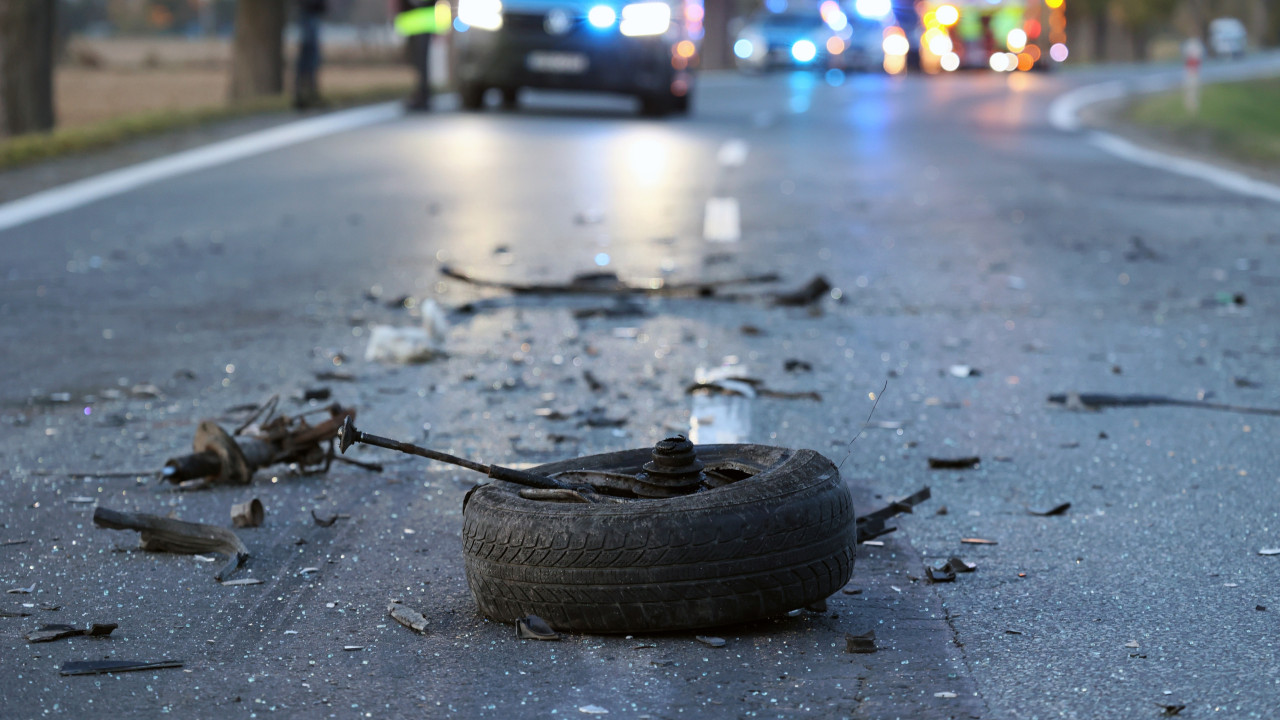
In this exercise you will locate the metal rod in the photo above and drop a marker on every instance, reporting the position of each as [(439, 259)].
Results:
[(349, 435)]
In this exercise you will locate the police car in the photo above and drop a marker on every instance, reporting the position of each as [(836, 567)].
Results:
[(646, 48)]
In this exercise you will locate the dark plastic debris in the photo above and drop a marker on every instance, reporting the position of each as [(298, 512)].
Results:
[(1055, 510), (101, 667), (960, 463), (872, 525), (532, 627)]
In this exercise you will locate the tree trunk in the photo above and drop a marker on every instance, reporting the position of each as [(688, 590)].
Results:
[(26, 65), (715, 41), (257, 60)]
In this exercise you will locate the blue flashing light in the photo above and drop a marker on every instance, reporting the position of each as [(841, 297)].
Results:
[(873, 8), (460, 26), (743, 48), (804, 51), (602, 16)]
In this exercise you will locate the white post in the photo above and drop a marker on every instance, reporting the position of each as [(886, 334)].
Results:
[(1193, 53)]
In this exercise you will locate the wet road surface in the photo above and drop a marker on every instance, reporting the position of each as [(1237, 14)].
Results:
[(957, 227)]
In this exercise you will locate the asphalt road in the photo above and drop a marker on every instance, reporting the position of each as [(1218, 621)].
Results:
[(958, 227)]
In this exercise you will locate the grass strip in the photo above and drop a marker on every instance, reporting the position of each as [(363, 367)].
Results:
[(1239, 120), (35, 147)]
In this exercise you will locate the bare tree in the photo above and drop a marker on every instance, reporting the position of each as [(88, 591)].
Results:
[(257, 61), (26, 65)]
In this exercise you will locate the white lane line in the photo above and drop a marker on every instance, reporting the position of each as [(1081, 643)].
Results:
[(82, 192), (1064, 115), (1222, 177), (733, 153), (721, 221)]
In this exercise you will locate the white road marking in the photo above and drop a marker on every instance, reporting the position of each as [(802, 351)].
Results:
[(83, 192), (733, 153), (721, 222), (1064, 115), (1222, 177)]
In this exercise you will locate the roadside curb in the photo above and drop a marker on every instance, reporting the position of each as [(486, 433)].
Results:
[(1064, 115)]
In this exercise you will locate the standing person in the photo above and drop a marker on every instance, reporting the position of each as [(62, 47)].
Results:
[(306, 85), (417, 50)]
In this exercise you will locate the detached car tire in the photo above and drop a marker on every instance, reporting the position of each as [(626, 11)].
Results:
[(775, 541)]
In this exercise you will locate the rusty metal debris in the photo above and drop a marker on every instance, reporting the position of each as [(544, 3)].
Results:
[(349, 435), (101, 667), (872, 525), (248, 514), (863, 644), (607, 283), (161, 534), (532, 627), (222, 458), (960, 463), (1098, 401), (49, 633)]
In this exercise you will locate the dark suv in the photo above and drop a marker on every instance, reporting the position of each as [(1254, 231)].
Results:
[(641, 48)]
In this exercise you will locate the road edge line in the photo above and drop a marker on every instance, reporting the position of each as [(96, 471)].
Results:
[(1064, 115), (79, 193)]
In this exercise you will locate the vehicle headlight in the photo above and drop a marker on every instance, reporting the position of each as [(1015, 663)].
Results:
[(602, 16), (483, 14), (645, 18)]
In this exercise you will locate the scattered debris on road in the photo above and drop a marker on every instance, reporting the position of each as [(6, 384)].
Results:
[(810, 293), (241, 581), (220, 457), (977, 541), (58, 631), (1269, 551), (726, 382), (1170, 710), (22, 590), (414, 344), (161, 534), (710, 640), (407, 617), (326, 521), (960, 463), (1059, 509), (248, 514), (532, 627), (963, 371), (102, 667), (1098, 401), (863, 644), (872, 524), (608, 283), (593, 710)]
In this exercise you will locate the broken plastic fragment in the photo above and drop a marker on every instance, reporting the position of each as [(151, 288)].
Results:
[(242, 581), (710, 640), (940, 574), (944, 694), (1269, 551), (860, 644), (977, 541), (593, 710), (1055, 510), (248, 514), (532, 627), (408, 617)]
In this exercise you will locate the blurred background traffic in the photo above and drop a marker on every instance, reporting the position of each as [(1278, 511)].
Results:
[(122, 58)]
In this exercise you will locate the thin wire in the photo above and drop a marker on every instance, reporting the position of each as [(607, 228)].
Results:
[(874, 405)]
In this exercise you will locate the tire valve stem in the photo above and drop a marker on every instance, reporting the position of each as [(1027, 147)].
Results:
[(348, 435)]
